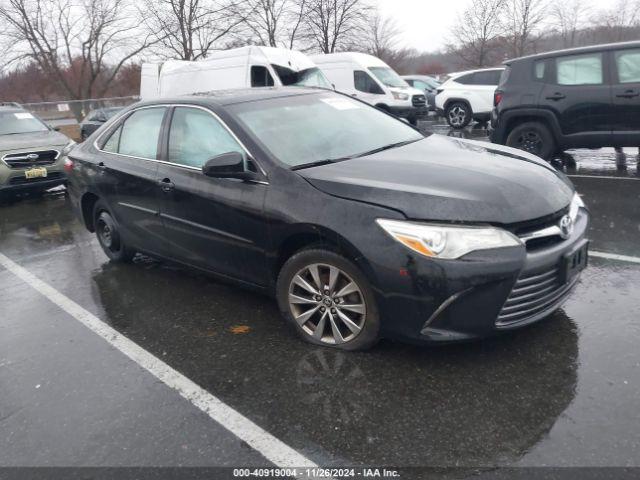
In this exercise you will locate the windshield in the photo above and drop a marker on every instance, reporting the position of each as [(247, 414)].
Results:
[(310, 77), (20, 122), (305, 129), (388, 77)]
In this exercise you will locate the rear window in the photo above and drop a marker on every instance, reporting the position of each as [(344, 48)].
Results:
[(491, 77), (504, 76), (628, 66), (465, 79)]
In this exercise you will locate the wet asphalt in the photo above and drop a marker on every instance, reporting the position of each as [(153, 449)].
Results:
[(563, 392)]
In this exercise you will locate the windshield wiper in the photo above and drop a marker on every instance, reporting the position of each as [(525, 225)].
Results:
[(386, 147), (317, 163)]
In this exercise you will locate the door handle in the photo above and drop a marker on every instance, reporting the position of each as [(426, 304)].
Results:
[(556, 96), (628, 94), (166, 185)]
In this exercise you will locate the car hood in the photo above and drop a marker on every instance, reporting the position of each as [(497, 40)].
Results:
[(23, 141), (445, 179)]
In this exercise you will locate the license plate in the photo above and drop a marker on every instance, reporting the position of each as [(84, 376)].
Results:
[(575, 261), (36, 173)]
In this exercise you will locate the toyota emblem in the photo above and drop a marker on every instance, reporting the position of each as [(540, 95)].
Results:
[(566, 226)]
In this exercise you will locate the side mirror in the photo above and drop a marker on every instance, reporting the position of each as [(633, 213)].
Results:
[(227, 165)]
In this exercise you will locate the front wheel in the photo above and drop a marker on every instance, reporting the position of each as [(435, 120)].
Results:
[(328, 301), (458, 115), (533, 137), (109, 237)]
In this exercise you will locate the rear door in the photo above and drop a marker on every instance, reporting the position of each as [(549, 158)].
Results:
[(210, 223), (483, 86), (129, 167), (626, 97), (579, 95)]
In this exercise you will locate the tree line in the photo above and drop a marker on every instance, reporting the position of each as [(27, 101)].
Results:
[(79, 49)]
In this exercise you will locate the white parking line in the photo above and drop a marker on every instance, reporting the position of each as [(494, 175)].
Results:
[(615, 256), (262, 441)]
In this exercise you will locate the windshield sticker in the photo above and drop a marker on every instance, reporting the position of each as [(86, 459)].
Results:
[(23, 116), (341, 103)]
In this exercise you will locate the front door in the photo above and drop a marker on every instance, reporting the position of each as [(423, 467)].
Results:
[(626, 97), (210, 223), (579, 95)]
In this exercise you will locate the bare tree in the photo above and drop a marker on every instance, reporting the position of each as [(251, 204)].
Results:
[(523, 19), (190, 29), (568, 17), (381, 35), (330, 24), (616, 23), (273, 23), (80, 45), (477, 29)]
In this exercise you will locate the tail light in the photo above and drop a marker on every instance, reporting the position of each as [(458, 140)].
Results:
[(497, 98), (68, 165)]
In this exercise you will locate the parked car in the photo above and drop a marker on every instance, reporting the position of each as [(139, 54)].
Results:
[(94, 119), (427, 84), (243, 67), (467, 96), (579, 98), (30, 152), (371, 80), (360, 225)]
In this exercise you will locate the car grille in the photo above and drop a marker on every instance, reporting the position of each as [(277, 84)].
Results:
[(526, 228), (419, 101), (29, 159), (24, 180), (534, 294)]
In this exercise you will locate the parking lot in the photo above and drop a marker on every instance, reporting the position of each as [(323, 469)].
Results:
[(563, 392)]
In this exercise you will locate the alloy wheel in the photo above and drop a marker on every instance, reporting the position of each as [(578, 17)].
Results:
[(530, 141), (457, 116), (327, 304)]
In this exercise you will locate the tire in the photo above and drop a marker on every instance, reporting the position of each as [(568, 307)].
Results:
[(108, 234), (533, 137), (458, 115), (361, 329)]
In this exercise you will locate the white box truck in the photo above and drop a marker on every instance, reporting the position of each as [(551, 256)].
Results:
[(371, 80), (228, 69)]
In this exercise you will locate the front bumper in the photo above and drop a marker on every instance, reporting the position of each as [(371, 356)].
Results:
[(409, 112), (18, 183), (480, 295)]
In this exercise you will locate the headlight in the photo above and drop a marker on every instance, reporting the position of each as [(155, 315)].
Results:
[(400, 96), (447, 242), (576, 204), (68, 147)]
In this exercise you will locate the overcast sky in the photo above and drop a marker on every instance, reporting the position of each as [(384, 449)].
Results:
[(427, 25)]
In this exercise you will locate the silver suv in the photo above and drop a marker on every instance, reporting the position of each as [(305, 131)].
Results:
[(31, 153)]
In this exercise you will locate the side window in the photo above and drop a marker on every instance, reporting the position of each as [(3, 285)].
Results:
[(140, 132), (197, 136), (111, 145), (486, 78), (580, 70), (628, 66), (260, 77), (467, 79), (539, 69), (364, 83)]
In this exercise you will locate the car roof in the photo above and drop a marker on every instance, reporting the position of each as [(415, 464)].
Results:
[(577, 50), (242, 95), (458, 74)]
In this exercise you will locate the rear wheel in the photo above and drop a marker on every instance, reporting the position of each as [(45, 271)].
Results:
[(458, 115), (533, 137), (108, 234), (328, 301)]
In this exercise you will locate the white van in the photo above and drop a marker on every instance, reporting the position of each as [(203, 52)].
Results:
[(373, 81), (228, 69)]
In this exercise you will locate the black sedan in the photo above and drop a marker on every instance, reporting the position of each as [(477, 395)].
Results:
[(361, 226), (95, 119)]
